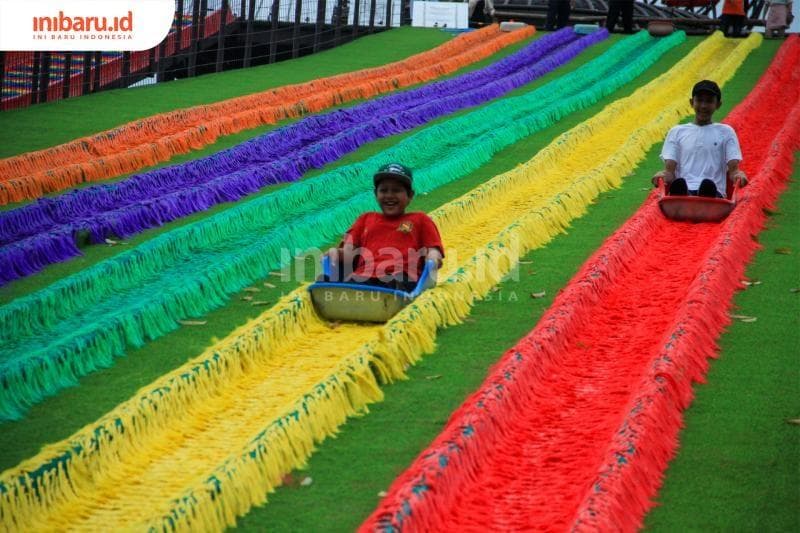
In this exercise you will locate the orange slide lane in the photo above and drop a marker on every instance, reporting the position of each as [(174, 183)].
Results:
[(158, 138)]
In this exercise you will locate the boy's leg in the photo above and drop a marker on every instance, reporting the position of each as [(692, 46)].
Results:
[(678, 188), (708, 189)]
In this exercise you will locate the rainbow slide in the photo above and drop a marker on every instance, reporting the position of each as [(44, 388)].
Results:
[(572, 428)]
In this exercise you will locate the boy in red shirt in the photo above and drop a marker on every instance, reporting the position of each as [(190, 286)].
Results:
[(389, 248)]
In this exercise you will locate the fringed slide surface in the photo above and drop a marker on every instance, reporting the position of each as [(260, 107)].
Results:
[(151, 140), (82, 322), (46, 232), (574, 426), (204, 443)]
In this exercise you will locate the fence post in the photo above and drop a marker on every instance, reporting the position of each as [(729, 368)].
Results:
[(44, 84), (160, 67), (67, 79), (203, 17), (221, 36), (372, 8), (405, 12), (321, 6), (298, 7), (98, 71), (273, 34), (337, 23), (86, 80), (151, 67), (388, 14), (195, 37), (356, 18), (2, 77), (126, 68), (178, 28), (248, 33), (37, 62)]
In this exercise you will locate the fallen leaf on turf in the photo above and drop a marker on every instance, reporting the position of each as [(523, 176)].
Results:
[(247, 298), (382, 494), (495, 289), (783, 251), (192, 322), (252, 289), (525, 262), (435, 376), (306, 481), (269, 285), (538, 294), (111, 242), (794, 289), (744, 318), (260, 302), (279, 274), (793, 421)]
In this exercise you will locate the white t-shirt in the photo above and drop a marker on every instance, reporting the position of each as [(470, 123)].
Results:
[(702, 152)]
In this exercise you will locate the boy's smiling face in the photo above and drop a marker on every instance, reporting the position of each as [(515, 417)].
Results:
[(704, 105), (392, 197)]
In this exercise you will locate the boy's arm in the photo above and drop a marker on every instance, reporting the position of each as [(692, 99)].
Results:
[(733, 154), (668, 174), (431, 240), (435, 255), (669, 154), (738, 177)]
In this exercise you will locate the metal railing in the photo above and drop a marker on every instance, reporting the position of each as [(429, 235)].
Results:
[(206, 36)]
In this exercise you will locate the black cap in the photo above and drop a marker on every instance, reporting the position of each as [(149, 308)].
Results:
[(395, 171), (707, 86)]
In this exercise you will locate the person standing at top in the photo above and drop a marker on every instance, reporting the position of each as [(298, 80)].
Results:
[(617, 7), (733, 18)]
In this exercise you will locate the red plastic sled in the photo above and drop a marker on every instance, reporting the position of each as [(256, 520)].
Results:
[(697, 208)]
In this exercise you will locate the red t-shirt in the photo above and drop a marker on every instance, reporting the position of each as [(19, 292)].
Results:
[(392, 245)]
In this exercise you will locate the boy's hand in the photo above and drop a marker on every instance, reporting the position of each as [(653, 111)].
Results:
[(668, 176), (739, 178)]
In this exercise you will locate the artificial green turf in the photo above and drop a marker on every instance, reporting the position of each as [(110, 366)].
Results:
[(57, 122), (59, 416), (94, 254), (349, 471), (738, 467)]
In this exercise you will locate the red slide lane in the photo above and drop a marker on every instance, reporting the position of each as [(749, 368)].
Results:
[(574, 426)]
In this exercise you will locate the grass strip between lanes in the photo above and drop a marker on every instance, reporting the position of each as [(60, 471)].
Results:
[(347, 473), (59, 416), (738, 467), (57, 122)]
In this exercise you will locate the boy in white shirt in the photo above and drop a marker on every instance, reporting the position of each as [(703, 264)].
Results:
[(698, 156)]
